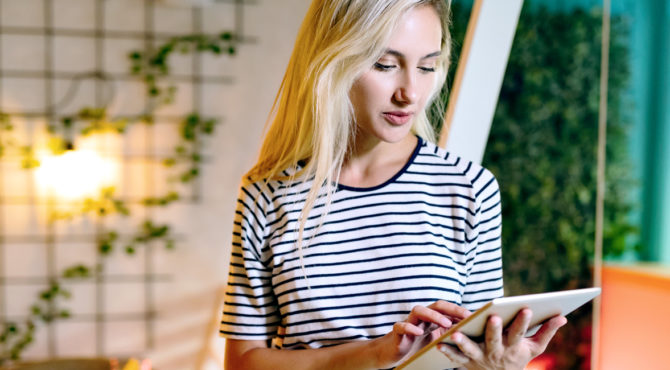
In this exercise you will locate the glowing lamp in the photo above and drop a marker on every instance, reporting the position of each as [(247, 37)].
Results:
[(75, 174)]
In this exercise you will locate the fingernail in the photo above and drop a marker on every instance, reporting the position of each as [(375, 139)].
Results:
[(456, 338), (443, 348)]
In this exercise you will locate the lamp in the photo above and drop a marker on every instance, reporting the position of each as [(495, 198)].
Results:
[(75, 174)]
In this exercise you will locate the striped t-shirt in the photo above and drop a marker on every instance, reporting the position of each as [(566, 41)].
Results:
[(432, 232)]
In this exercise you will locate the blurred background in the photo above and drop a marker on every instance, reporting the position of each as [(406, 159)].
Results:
[(126, 125)]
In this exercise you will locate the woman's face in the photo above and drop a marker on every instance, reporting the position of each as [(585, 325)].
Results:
[(387, 98)]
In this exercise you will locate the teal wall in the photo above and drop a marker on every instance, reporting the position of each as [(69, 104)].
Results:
[(650, 137), (662, 102)]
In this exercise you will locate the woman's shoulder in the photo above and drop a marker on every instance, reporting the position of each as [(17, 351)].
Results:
[(477, 175), (281, 184), (263, 187)]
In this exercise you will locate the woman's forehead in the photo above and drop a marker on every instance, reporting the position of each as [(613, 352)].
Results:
[(418, 32)]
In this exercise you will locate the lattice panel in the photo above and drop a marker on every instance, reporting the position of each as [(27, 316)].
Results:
[(57, 56)]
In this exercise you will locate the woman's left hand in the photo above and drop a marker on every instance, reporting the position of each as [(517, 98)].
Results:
[(508, 349)]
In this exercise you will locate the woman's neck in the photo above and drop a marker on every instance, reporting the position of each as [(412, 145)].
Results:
[(372, 162)]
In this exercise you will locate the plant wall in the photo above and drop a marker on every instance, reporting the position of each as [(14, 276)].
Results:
[(543, 141), (542, 149)]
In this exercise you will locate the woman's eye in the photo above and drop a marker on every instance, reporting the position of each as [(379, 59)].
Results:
[(384, 67), (427, 69)]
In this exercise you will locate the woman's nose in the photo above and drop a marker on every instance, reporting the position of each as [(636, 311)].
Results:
[(406, 91)]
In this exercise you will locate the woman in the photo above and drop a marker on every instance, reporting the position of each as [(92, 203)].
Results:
[(356, 239)]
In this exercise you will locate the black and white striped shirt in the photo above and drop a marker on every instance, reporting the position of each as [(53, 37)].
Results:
[(432, 232)]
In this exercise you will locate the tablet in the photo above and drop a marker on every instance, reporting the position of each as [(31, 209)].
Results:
[(543, 305)]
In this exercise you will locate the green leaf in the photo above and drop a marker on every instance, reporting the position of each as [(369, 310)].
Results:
[(105, 248), (147, 119), (77, 271), (169, 162), (192, 119), (121, 208), (149, 202)]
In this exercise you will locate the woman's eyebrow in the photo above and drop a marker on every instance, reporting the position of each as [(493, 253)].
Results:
[(401, 55)]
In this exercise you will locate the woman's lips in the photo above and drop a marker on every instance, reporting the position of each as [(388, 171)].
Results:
[(397, 117)]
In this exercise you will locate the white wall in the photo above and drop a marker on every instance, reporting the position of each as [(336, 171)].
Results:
[(187, 304)]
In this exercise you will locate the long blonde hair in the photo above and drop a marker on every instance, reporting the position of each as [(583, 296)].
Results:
[(311, 119)]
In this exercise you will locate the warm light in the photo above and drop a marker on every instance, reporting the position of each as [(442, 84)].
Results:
[(75, 174), (545, 361)]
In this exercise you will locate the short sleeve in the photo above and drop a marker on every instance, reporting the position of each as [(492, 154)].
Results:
[(485, 275), (250, 309)]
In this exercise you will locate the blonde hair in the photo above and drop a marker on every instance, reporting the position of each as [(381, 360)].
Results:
[(312, 119)]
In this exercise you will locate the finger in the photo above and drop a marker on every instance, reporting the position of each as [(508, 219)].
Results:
[(493, 337), (547, 331), (519, 326), (450, 309), (405, 328), (425, 314), (453, 354), (429, 328), (467, 347), (437, 333)]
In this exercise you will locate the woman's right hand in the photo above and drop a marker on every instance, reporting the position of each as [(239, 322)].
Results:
[(423, 325)]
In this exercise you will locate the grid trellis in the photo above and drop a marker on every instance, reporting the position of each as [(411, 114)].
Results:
[(48, 236)]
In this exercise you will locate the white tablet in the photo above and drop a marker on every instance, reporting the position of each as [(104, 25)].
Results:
[(543, 305)]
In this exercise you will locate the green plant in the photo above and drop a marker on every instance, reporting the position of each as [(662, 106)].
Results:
[(542, 149), (542, 146), (6, 128), (9, 143), (152, 65)]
